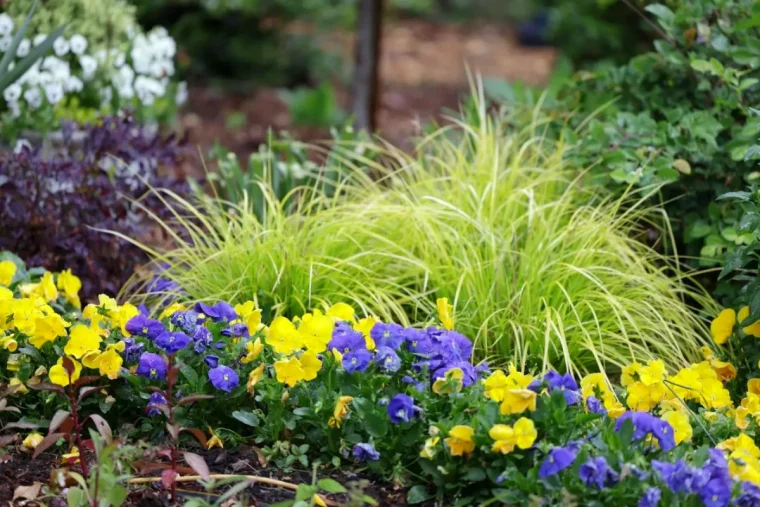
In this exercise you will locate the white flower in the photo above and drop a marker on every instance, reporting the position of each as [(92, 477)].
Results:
[(39, 38), (23, 48), (73, 84), (15, 109), (89, 66), (6, 24), (21, 145), (119, 60), (12, 93), (5, 43), (54, 93), (61, 46), (106, 94), (78, 44), (182, 93), (33, 97), (126, 92), (44, 78)]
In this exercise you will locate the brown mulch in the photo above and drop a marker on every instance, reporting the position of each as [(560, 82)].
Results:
[(21, 469)]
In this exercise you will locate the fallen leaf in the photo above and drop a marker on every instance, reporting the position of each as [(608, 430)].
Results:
[(27, 492)]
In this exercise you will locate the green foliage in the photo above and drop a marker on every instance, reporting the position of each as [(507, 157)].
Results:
[(101, 22), (314, 107), (490, 218), (678, 117)]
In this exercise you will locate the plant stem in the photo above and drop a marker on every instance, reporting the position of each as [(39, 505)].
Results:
[(77, 429), (170, 402)]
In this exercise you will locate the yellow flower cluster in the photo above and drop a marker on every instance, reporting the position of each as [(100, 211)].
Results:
[(722, 327), (743, 458), (511, 390), (596, 384)]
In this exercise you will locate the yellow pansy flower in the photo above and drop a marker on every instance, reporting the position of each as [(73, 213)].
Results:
[(317, 500), (15, 381), (445, 313), (451, 382), (752, 329), (122, 315), (32, 440), (518, 380), (254, 377), (82, 340), (59, 376), (253, 349), (244, 309), (723, 326), (429, 450), (13, 364), (679, 421), (741, 419), (47, 329), (753, 386), (289, 372), (364, 326), (171, 310), (310, 365), (70, 285), (8, 343), (46, 288), (110, 363), (726, 371), (460, 440), (71, 457), (91, 359), (525, 433), (630, 374), (517, 401), (504, 438), (283, 336), (653, 373), (645, 397), (214, 441), (316, 331), (340, 412), (7, 272), (341, 311), (496, 385)]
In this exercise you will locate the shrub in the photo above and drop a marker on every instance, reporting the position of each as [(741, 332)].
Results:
[(51, 204), (493, 220), (678, 116)]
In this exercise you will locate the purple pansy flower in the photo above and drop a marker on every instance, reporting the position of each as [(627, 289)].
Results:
[(749, 497), (470, 375), (716, 493), (558, 459), (387, 359), (211, 361), (644, 424), (218, 312), (365, 452), (132, 349), (357, 360), (202, 339), (238, 330), (595, 406), (597, 473), (223, 378), (152, 366), (482, 369), (680, 477), (345, 340), (172, 342), (140, 325), (417, 341), (564, 383), (418, 385), (651, 498), (187, 321), (155, 400), (387, 335), (401, 408)]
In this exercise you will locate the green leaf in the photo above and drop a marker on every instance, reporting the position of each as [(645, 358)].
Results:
[(739, 196), (376, 425), (117, 494), (474, 475), (369, 500), (662, 13), (303, 411), (748, 23), (247, 418), (76, 497), (189, 373), (682, 166), (748, 82), (733, 261), (305, 491), (701, 65), (331, 486), (418, 494)]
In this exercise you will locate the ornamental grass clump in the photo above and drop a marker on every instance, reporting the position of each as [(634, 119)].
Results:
[(540, 268)]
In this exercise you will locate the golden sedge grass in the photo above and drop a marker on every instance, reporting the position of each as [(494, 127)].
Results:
[(542, 270)]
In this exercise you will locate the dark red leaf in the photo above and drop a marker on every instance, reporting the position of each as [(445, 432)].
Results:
[(68, 365), (173, 430), (47, 386), (10, 390), (86, 391), (58, 419), (168, 477), (7, 440), (198, 464), (47, 442), (159, 391), (196, 397), (172, 375), (103, 428), (10, 409), (197, 434), (83, 381), (21, 426)]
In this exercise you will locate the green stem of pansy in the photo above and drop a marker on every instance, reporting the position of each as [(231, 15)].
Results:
[(694, 416)]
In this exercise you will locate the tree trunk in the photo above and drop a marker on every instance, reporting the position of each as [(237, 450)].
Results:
[(367, 54)]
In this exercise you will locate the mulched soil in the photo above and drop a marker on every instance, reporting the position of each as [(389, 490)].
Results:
[(21, 469)]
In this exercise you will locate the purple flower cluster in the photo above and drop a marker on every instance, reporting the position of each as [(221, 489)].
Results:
[(223, 378), (597, 473), (365, 452), (221, 311), (401, 408), (140, 325), (712, 482), (565, 384), (152, 366), (645, 424), (558, 459), (155, 400), (171, 343)]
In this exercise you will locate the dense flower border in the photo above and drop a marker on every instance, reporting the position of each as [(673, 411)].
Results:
[(367, 391)]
